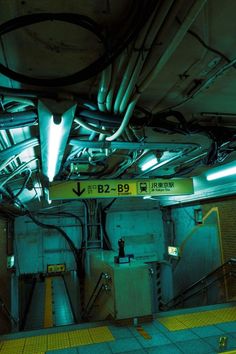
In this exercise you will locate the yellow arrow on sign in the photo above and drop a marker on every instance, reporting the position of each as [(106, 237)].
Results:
[(120, 188)]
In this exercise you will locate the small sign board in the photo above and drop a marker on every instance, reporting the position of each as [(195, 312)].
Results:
[(56, 268), (173, 251), (119, 188)]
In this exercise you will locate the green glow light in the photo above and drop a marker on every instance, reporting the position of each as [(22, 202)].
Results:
[(220, 174)]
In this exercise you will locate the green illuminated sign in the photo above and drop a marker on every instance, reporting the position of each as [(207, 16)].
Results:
[(120, 188)]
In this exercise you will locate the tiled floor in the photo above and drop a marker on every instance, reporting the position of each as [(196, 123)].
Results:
[(127, 340)]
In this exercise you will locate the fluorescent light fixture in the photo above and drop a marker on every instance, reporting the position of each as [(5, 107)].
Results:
[(220, 174), (10, 261), (55, 136), (149, 164)]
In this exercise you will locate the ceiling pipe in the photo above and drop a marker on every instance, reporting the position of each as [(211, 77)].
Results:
[(55, 122), (169, 51), (124, 145)]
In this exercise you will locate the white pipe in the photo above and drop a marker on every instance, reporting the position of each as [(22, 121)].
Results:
[(137, 47), (157, 21), (104, 88), (117, 67), (188, 21), (174, 43), (91, 127), (19, 170), (125, 121)]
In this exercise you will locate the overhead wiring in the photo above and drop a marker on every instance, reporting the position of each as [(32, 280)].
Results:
[(64, 235), (91, 127), (17, 119), (25, 183), (160, 63), (18, 148), (141, 14)]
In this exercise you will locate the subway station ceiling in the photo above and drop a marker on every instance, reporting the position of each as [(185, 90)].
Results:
[(112, 89)]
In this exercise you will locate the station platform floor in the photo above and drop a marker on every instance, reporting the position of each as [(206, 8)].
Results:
[(205, 330)]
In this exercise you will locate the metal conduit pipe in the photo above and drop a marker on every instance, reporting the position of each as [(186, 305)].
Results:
[(174, 43), (176, 40), (117, 67), (19, 170), (8, 99), (100, 116), (18, 148), (167, 17), (104, 88), (155, 25), (17, 118), (137, 48), (91, 127)]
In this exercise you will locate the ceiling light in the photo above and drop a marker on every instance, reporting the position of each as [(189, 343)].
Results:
[(55, 136), (148, 161), (149, 164), (55, 121), (220, 174)]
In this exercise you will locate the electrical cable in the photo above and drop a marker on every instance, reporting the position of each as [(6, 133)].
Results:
[(141, 15), (24, 184), (63, 233), (91, 127), (17, 119), (18, 148)]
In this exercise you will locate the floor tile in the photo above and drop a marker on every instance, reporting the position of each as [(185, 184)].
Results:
[(207, 331), (139, 351), (120, 332), (214, 342), (182, 335), (63, 351), (150, 328), (227, 326), (196, 346), (157, 339), (124, 345), (164, 349), (101, 348)]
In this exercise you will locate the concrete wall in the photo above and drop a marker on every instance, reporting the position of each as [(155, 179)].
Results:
[(5, 277), (199, 244), (140, 224), (37, 247), (227, 222)]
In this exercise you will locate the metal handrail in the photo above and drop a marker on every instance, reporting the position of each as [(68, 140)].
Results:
[(94, 294), (4, 308), (173, 302)]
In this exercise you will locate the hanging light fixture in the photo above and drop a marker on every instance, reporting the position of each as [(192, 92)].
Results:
[(55, 121)]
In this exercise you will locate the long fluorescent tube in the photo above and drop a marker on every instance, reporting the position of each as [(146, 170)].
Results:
[(149, 164), (55, 137), (224, 173)]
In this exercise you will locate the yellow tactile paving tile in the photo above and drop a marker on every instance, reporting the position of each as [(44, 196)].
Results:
[(58, 341), (79, 337), (172, 323), (12, 346), (41, 344), (101, 334), (199, 319), (35, 344)]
